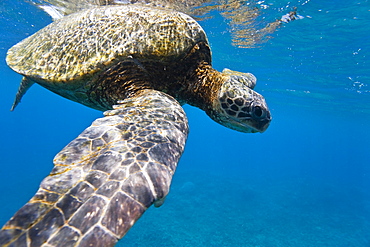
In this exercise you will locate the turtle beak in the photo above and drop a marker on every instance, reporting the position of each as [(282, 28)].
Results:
[(260, 117), (258, 121), (262, 125), (252, 126)]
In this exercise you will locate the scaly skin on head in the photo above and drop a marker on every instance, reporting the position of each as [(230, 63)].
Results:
[(239, 107), (229, 99)]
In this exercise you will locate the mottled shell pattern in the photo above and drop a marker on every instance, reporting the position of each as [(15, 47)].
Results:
[(88, 42)]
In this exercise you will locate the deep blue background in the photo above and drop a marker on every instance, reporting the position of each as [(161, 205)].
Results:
[(304, 182)]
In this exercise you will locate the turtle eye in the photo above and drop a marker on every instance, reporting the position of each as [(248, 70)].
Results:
[(257, 111)]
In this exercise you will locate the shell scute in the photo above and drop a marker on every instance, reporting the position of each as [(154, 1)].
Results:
[(80, 45)]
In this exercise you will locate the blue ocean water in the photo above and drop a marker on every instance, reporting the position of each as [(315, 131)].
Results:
[(304, 182)]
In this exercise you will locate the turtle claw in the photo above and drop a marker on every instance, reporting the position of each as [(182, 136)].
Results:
[(159, 202)]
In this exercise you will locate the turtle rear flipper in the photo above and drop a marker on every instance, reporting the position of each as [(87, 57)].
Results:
[(106, 178), (23, 87)]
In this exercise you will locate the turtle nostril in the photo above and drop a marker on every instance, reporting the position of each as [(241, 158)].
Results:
[(257, 111)]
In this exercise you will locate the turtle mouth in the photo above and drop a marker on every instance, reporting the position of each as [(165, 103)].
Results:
[(248, 128), (264, 126), (250, 125)]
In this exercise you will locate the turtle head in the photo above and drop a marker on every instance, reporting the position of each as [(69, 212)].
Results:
[(237, 106)]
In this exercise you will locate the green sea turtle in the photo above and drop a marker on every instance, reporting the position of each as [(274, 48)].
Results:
[(138, 64)]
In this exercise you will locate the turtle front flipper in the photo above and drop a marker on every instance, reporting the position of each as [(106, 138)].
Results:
[(106, 178)]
